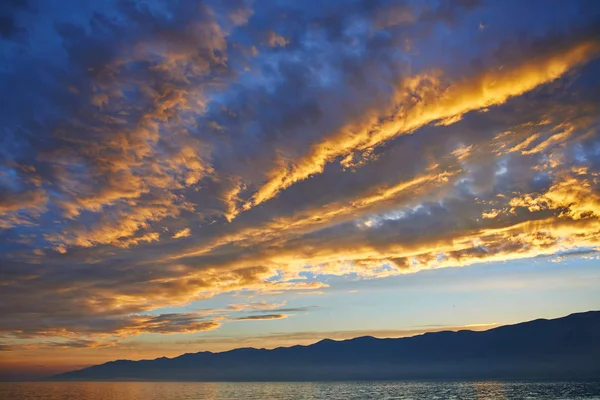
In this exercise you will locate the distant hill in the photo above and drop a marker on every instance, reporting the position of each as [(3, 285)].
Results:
[(561, 348)]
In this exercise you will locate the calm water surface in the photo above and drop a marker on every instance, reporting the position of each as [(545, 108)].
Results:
[(304, 390)]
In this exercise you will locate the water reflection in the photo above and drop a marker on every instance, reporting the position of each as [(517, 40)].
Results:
[(490, 390), (296, 390)]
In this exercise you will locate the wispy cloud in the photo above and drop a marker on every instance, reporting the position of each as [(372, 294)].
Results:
[(264, 317)]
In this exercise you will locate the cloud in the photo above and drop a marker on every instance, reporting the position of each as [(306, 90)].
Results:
[(487, 324), (274, 39), (6, 347), (165, 323), (264, 317), (124, 169), (289, 309), (79, 343), (79, 330), (438, 100), (182, 233), (262, 311), (356, 141), (257, 306), (574, 197)]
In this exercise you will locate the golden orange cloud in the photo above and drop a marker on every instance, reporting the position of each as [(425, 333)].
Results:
[(421, 100), (182, 233)]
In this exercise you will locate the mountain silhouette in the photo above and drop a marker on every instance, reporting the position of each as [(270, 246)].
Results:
[(567, 347)]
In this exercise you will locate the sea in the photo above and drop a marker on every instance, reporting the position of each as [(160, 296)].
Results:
[(297, 390)]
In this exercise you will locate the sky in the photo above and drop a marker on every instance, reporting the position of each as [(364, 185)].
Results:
[(182, 176)]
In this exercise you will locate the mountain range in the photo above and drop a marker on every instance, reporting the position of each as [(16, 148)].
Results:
[(562, 348)]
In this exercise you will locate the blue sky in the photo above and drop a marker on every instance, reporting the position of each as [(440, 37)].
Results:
[(181, 176)]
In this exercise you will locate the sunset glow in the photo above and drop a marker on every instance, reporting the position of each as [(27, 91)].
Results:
[(182, 176)]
